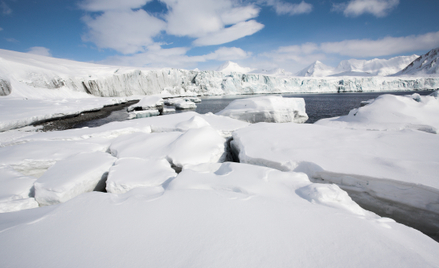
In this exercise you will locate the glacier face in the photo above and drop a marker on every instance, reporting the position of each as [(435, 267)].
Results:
[(204, 83), (24, 75)]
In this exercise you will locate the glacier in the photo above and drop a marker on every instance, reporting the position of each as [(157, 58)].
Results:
[(33, 76)]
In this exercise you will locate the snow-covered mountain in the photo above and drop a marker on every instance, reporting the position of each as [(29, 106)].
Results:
[(233, 67), (275, 72), (427, 64), (317, 69), (354, 67), (374, 67), (24, 75)]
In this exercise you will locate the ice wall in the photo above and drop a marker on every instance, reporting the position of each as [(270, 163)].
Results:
[(185, 82)]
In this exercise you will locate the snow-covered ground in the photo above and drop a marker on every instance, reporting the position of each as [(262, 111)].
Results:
[(211, 214)]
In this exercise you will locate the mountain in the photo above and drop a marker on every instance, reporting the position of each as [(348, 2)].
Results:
[(354, 67), (427, 64), (374, 67), (232, 67), (317, 69)]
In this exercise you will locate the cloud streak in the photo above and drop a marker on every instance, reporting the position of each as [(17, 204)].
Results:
[(355, 8), (284, 8), (42, 51)]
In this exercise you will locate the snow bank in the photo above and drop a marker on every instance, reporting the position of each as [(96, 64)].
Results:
[(390, 112), (400, 167), (229, 215), (130, 173), (267, 109), (73, 176)]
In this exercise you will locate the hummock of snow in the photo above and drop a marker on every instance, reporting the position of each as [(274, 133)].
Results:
[(130, 173), (232, 67), (427, 64), (220, 215), (267, 109), (142, 114), (73, 176), (16, 191), (183, 104), (147, 103), (390, 112)]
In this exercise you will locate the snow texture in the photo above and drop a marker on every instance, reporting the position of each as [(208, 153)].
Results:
[(267, 109), (217, 215), (73, 176)]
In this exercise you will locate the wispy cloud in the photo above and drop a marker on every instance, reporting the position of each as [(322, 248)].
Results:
[(355, 8), (156, 56), (283, 8), (5, 9), (382, 47), (12, 40), (42, 51)]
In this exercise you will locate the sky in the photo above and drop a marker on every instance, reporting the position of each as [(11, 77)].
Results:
[(203, 34)]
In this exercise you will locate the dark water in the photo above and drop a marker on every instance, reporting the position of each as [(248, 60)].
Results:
[(318, 106)]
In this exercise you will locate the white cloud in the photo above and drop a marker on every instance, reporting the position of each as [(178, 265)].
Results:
[(42, 51), (175, 57), (1, 29), (106, 5), (207, 19), (383, 47), (232, 33), (126, 31), (6, 10), (283, 8), (355, 8)]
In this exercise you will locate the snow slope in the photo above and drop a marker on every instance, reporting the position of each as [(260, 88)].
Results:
[(427, 64)]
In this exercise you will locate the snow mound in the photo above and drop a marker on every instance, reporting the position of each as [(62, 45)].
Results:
[(73, 176), (232, 67), (130, 173), (427, 64), (391, 112), (267, 109)]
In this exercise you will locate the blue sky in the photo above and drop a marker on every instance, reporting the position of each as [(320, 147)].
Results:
[(204, 33)]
